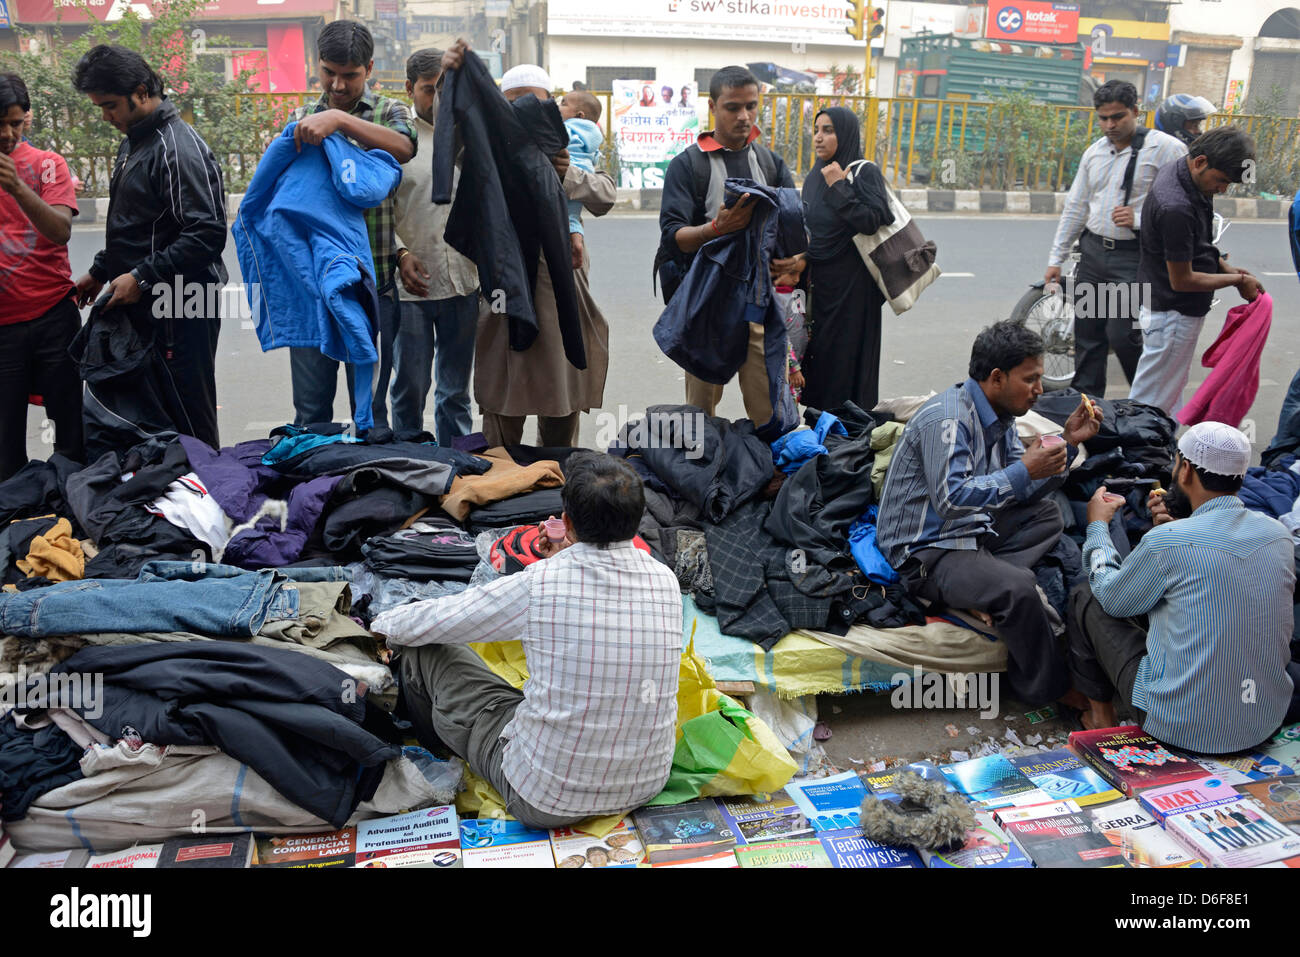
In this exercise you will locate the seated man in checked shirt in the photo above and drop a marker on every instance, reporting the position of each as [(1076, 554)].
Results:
[(594, 728)]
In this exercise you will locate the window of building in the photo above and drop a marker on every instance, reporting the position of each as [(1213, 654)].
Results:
[(603, 77)]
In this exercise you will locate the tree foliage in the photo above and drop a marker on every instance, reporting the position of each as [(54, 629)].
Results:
[(237, 128)]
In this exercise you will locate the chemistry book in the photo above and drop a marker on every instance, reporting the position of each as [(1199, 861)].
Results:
[(573, 849), (1224, 828), (851, 848), (783, 854), (426, 838), (1064, 840), (754, 820), (1280, 797), (993, 782), (1132, 760), (335, 849), (1060, 775), (985, 845), (208, 851), (1139, 836), (680, 831)]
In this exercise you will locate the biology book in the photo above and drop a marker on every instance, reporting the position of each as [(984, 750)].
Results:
[(426, 838), (1280, 797), (1140, 838), (1064, 840), (831, 803), (986, 845), (1060, 775), (676, 832), (335, 849), (769, 817), (496, 842), (851, 848), (1224, 828), (208, 851), (572, 849), (1132, 760), (783, 854), (993, 782)]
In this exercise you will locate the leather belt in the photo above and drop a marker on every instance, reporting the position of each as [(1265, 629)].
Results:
[(1108, 243)]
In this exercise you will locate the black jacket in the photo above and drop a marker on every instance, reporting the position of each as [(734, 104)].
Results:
[(510, 206), (297, 721), (166, 207)]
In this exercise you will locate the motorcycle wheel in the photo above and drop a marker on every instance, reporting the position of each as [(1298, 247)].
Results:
[(1052, 317)]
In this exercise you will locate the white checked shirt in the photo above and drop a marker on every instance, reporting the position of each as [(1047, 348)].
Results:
[(1098, 188), (602, 632)]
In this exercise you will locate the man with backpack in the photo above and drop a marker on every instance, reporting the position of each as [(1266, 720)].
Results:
[(692, 213), (1104, 212)]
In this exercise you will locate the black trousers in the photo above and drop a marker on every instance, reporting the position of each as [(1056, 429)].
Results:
[(1104, 652), (34, 361), (1106, 311), (997, 578), (189, 348)]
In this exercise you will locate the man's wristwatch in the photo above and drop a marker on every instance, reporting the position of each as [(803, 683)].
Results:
[(140, 281)]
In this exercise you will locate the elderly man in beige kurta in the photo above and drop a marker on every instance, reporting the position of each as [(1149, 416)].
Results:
[(509, 386)]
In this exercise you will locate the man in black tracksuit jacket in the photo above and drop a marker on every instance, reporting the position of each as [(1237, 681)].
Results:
[(166, 227)]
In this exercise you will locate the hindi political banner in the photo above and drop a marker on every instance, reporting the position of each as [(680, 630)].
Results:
[(652, 122)]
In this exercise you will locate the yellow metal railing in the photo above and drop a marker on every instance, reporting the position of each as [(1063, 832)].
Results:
[(912, 138)]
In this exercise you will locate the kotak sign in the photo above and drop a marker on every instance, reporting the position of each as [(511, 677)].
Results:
[(1032, 21)]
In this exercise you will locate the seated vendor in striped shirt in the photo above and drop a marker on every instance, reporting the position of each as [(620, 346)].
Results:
[(1215, 581), (594, 728), (964, 514)]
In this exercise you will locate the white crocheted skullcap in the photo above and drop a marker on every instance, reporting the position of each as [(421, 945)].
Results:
[(526, 74), (1217, 448)]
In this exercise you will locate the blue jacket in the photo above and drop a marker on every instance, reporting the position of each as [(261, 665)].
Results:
[(305, 252), (704, 328), (585, 138)]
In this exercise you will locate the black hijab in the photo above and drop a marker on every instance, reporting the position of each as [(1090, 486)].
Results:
[(828, 232)]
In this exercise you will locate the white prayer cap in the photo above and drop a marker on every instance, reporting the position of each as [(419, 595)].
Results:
[(527, 74), (1217, 448)]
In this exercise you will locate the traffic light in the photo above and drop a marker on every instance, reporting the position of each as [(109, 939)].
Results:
[(877, 23), (857, 13)]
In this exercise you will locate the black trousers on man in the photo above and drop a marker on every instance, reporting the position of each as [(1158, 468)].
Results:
[(1105, 651), (997, 578), (1105, 311), (189, 349), (34, 360)]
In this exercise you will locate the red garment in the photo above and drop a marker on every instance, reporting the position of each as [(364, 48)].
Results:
[(1229, 392), (34, 272)]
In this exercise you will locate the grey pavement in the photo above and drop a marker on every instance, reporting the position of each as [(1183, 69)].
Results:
[(988, 261)]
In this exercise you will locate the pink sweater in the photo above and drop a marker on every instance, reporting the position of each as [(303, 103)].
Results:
[(1227, 395)]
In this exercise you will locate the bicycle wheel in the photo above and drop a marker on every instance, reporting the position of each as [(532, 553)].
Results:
[(1052, 317)]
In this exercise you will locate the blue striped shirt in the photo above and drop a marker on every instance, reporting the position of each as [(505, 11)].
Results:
[(1218, 587), (957, 462)]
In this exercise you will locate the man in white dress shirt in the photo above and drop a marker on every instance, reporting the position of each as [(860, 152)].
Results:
[(1105, 217)]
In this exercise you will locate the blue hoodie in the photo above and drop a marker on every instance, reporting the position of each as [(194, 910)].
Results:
[(305, 252), (585, 138)]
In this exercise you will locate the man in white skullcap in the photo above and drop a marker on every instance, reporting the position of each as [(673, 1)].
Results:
[(1215, 581), (510, 385)]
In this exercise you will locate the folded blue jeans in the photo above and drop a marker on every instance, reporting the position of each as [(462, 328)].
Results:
[(215, 604)]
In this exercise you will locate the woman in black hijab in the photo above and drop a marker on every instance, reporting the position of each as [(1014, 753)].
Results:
[(843, 357)]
